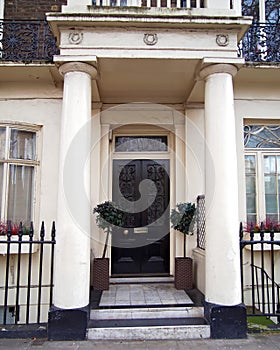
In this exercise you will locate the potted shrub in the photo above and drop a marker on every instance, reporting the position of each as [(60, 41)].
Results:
[(108, 216), (182, 219)]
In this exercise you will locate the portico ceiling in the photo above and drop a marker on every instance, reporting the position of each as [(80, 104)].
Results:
[(146, 80)]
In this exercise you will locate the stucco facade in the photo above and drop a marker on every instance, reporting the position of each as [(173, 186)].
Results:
[(132, 71)]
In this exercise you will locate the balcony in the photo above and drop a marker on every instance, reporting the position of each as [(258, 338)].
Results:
[(261, 44), (26, 41), (31, 41)]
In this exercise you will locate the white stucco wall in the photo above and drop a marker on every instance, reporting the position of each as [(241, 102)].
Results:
[(45, 113)]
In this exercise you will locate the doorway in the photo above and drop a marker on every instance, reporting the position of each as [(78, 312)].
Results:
[(142, 246)]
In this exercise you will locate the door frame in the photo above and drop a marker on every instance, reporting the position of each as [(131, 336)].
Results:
[(147, 130)]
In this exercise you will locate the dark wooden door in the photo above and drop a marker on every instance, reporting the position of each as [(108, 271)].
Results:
[(142, 246)]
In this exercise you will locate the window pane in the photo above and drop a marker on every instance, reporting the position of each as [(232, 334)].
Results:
[(272, 218), (252, 218), (262, 136), (141, 143), (250, 171), (270, 184), (22, 144), (250, 184), (250, 164), (271, 204), (2, 142), (251, 204), (1, 186), (20, 193), (269, 164)]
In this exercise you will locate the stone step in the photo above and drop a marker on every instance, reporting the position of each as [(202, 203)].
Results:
[(141, 280), (168, 332), (147, 313)]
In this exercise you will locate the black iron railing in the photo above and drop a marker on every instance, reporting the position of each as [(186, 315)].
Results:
[(27, 41), (263, 290), (261, 43), (267, 299), (200, 217), (27, 284)]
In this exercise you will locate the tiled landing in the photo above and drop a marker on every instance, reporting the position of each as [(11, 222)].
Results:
[(144, 294)]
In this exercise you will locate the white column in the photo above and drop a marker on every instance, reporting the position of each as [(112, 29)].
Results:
[(217, 4), (181, 178), (222, 222), (72, 263)]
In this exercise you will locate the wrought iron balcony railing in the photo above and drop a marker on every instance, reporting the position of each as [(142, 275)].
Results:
[(261, 43), (32, 40), (26, 41)]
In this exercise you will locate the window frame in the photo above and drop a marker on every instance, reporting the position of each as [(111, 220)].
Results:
[(7, 162), (259, 154)]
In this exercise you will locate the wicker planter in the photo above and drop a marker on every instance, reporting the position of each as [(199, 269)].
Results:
[(183, 273), (101, 274)]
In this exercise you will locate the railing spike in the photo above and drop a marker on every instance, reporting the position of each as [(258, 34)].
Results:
[(262, 231), (53, 231), (240, 231), (31, 232), (20, 231), (252, 232), (271, 232), (42, 231), (9, 230)]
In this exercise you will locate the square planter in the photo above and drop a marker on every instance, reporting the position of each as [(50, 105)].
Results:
[(183, 273), (101, 274)]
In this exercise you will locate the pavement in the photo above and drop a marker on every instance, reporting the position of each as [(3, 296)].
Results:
[(254, 342)]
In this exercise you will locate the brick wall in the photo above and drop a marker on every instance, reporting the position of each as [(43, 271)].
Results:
[(31, 9)]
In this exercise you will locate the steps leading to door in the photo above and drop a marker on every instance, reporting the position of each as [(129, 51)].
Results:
[(147, 313), (151, 323), (177, 332)]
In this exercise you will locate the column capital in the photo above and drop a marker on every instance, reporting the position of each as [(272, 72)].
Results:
[(78, 67), (216, 69)]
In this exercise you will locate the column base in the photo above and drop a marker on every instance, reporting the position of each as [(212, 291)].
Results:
[(67, 324), (226, 322)]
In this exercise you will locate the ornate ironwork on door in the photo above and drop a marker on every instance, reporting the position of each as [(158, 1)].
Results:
[(141, 189)]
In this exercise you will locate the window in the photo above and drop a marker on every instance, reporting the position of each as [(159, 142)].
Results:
[(17, 172), (141, 144), (262, 171)]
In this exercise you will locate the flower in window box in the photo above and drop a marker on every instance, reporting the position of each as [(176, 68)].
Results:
[(14, 227), (265, 226)]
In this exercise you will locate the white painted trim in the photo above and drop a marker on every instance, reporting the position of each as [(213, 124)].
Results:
[(141, 130), (2, 7)]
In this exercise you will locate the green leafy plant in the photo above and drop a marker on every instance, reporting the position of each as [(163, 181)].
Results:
[(108, 216), (182, 219)]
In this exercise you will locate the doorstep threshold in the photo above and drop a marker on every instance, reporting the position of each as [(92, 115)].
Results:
[(139, 280)]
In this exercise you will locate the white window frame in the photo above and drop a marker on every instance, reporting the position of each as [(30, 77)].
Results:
[(22, 162), (259, 154)]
